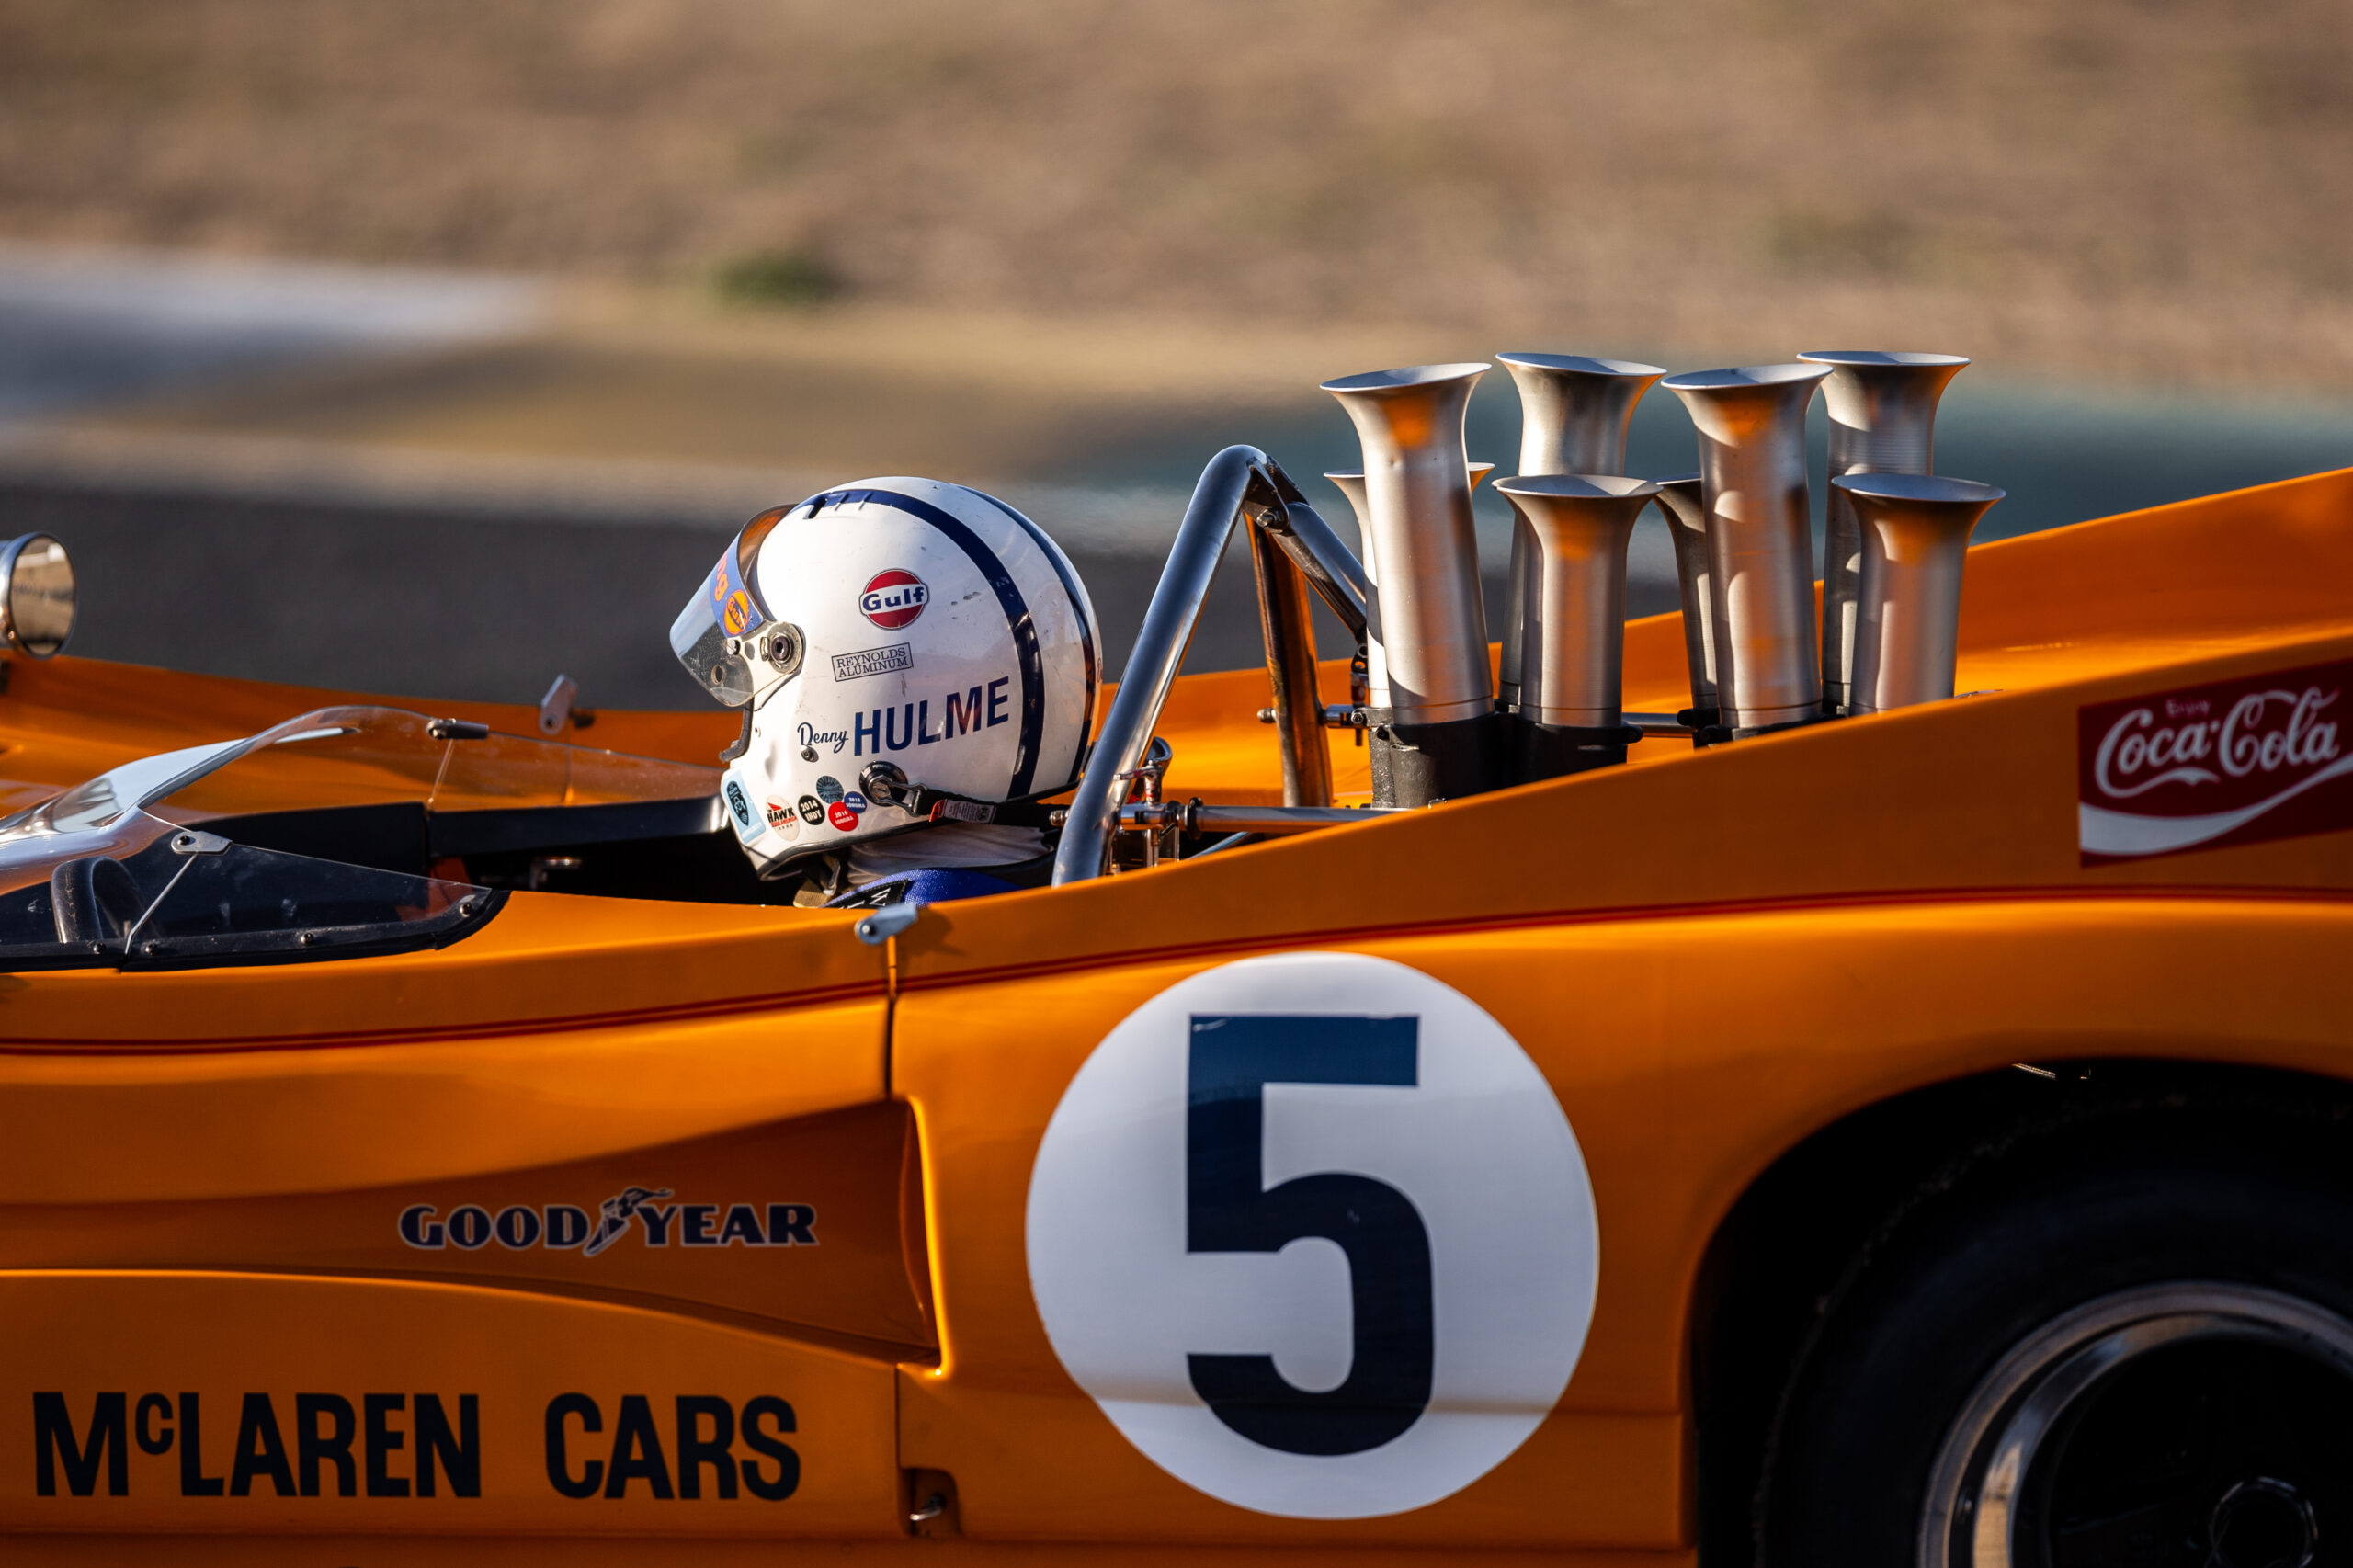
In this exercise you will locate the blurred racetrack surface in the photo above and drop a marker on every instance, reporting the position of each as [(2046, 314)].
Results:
[(447, 484)]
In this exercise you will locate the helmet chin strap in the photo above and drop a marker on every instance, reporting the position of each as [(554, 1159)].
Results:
[(885, 782), (934, 806)]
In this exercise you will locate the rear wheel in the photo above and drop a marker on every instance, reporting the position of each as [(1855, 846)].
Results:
[(2145, 1363), (2189, 1424)]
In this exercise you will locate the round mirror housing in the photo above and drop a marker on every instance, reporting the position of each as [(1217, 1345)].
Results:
[(36, 597)]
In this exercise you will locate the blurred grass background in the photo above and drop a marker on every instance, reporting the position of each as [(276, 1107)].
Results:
[(2157, 192), (665, 262)]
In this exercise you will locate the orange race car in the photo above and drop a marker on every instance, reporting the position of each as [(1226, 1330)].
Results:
[(1660, 1115)]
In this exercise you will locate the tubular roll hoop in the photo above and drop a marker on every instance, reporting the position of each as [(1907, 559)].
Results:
[(1291, 544)]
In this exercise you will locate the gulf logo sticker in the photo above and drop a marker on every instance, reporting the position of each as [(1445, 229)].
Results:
[(893, 598)]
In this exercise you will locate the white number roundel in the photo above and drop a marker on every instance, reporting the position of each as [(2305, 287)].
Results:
[(1314, 1233)]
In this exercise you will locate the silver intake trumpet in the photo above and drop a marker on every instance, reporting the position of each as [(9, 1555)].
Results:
[(1916, 532), (1350, 484), (1760, 538), (1573, 417), (1882, 420), (1431, 707), (1571, 711), (1687, 525)]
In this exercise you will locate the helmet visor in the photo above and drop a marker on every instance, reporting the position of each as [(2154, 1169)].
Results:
[(712, 631)]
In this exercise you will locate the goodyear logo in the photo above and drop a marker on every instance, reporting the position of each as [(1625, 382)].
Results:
[(469, 1227)]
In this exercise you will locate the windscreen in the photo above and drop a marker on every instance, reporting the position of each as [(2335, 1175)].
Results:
[(359, 755), (119, 870), (157, 896)]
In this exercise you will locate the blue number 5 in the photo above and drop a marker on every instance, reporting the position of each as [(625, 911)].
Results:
[(1230, 1209)]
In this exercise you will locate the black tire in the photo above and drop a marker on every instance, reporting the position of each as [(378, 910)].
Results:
[(2210, 1272)]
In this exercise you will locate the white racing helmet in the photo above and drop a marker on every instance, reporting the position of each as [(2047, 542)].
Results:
[(907, 652)]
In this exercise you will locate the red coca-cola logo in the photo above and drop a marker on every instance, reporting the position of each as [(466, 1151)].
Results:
[(2233, 762)]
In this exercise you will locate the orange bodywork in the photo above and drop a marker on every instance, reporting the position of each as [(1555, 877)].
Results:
[(1711, 955)]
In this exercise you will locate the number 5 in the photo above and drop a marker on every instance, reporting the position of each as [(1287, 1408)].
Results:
[(1229, 1209)]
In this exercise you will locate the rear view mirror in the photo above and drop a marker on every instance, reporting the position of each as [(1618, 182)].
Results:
[(37, 601)]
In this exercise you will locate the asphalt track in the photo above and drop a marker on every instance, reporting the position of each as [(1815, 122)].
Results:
[(480, 604), (485, 582), (85, 327), (442, 576), (487, 590)]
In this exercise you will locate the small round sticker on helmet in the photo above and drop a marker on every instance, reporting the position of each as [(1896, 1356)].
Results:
[(778, 813), (812, 810), (829, 789), (855, 801), (737, 613), (893, 598), (841, 816)]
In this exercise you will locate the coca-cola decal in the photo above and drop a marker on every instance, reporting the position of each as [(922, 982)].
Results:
[(2235, 762)]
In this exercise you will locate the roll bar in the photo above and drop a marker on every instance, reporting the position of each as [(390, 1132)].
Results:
[(1239, 481)]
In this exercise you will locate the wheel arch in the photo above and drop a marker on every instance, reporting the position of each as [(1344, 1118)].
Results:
[(1773, 1266)]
